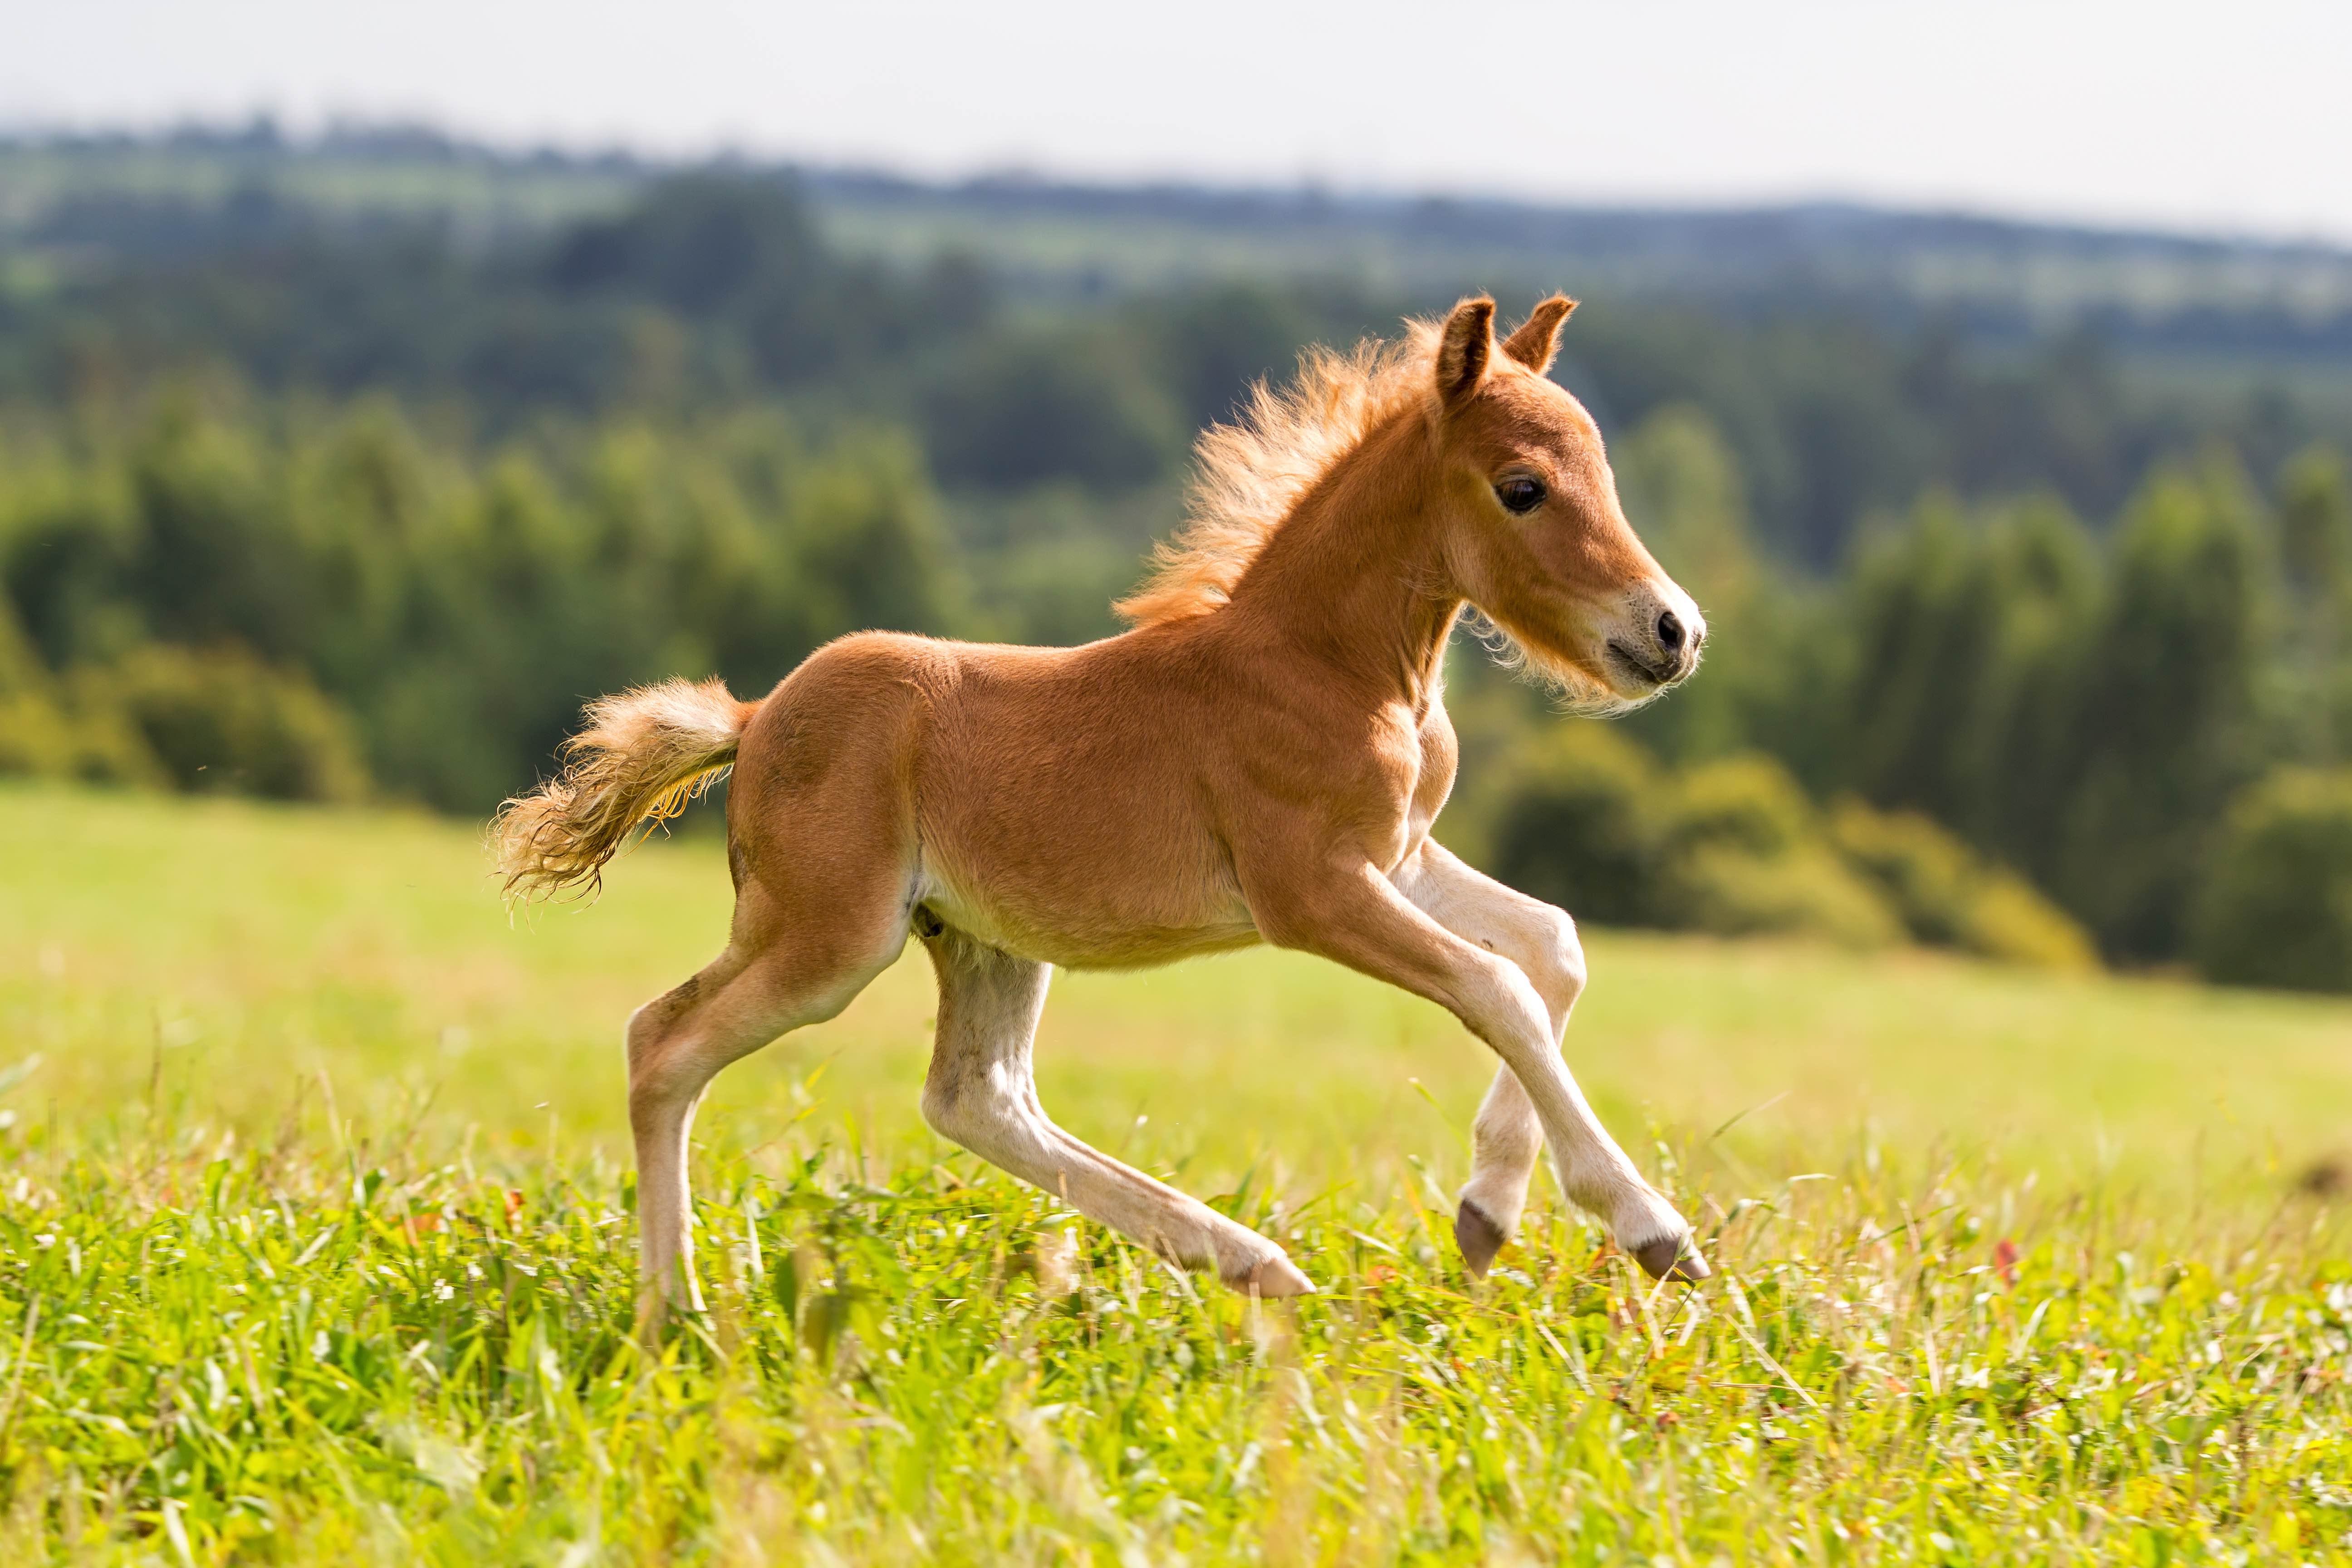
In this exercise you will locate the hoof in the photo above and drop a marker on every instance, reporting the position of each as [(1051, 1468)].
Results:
[(1478, 1238), (1667, 1259), (1274, 1279)]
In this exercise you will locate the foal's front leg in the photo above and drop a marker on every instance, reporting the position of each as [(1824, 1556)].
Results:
[(1508, 1136), (1362, 920), (981, 1094)]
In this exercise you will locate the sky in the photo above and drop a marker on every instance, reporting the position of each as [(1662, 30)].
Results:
[(2202, 118)]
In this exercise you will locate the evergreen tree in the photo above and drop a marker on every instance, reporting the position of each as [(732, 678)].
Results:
[(1922, 615), (2169, 726), (2019, 754), (2315, 551)]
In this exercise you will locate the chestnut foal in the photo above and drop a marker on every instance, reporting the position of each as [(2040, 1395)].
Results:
[(1258, 760)]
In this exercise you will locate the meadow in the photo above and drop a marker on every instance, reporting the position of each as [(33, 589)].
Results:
[(315, 1242)]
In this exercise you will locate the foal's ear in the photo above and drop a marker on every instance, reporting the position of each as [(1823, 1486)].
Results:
[(1537, 338), (1464, 347)]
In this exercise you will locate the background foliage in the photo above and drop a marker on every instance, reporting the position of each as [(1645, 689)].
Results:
[(315, 487)]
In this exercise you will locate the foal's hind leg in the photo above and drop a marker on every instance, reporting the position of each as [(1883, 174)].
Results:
[(980, 1093), (1508, 1136), (784, 967)]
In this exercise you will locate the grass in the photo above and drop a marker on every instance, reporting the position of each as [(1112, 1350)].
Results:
[(313, 1244)]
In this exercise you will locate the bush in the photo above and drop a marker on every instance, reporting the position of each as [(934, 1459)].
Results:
[(1585, 818), (1948, 897), (2276, 907), (33, 736), (1744, 855), (1748, 803), (2010, 921), (40, 736), (222, 721), (1574, 822), (1806, 891)]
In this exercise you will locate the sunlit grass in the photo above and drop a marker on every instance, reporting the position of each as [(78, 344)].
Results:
[(300, 1356), (314, 1245)]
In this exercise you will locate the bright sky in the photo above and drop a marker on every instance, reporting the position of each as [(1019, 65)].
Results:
[(2202, 116)]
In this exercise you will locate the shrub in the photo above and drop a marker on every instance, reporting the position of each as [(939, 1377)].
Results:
[(2010, 921), (2276, 906), (1744, 854), (40, 736), (222, 721), (1948, 897), (1748, 802), (33, 736), (1805, 891), (1924, 870), (1585, 819), (1576, 823)]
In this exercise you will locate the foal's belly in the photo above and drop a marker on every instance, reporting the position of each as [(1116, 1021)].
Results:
[(1086, 943), (1082, 881), (1111, 927)]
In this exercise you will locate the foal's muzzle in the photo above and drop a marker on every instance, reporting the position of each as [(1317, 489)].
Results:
[(1659, 642)]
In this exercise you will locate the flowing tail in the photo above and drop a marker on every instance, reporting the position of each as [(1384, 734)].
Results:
[(644, 755)]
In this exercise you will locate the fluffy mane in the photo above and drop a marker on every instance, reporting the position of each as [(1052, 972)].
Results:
[(1248, 475)]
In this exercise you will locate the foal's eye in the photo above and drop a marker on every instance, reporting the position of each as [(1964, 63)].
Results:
[(1520, 495)]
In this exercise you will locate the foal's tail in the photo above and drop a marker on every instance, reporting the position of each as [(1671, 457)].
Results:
[(643, 756)]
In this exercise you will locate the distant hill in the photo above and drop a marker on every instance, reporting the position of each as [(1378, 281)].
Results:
[(69, 202), (2038, 273)]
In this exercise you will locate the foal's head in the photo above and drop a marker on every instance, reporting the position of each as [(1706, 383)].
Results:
[(1533, 535)]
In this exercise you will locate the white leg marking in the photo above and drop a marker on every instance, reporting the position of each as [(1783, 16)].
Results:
[(981, 1093), (1534, 1094)]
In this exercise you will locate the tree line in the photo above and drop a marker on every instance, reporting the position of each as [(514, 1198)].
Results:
[(454, 610), (716, 289)]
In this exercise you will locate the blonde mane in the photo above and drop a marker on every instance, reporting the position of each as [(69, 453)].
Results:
[(1248, 475)]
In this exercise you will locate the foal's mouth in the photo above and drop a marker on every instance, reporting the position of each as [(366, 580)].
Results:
[(1651, 674)]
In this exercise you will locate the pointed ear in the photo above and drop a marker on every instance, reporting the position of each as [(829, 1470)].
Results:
[(1537, 338), (1464, 347)]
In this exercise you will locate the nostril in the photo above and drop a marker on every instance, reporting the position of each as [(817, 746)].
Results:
[(1670, 632)]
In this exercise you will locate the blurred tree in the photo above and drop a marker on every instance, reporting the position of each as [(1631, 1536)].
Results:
[(1033, 404), (700, 244), (2169, 726), (1208, 342), (460, 613), (2315, 522), (2278, 908), (1924, 614), (2021, 752)]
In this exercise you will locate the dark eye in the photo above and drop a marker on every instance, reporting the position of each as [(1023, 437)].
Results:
[(1520, 495)]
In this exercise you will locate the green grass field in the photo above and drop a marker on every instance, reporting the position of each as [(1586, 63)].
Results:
[(314, 1243)]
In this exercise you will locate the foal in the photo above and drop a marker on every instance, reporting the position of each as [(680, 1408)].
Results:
[(1258, 760)]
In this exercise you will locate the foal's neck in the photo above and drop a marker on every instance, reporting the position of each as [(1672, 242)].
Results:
[(1355, 577)]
